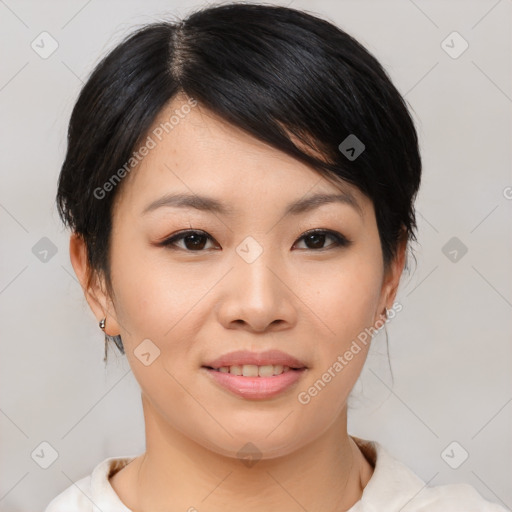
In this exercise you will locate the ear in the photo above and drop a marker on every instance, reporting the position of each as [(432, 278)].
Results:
[(95, 290), (391, 279)]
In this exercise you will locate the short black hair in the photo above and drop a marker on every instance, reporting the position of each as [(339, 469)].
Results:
[(287, 77)]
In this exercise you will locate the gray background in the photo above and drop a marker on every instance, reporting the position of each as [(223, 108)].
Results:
[(450, 346)]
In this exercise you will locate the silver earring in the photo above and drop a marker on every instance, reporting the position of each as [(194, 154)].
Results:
[(116, 339)]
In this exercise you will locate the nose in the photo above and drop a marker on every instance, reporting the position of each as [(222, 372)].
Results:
[(257, 296)]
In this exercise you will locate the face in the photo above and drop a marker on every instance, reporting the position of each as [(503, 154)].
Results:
[(194, 284)]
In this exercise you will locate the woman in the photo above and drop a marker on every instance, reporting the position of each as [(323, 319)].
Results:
[(240, 188)]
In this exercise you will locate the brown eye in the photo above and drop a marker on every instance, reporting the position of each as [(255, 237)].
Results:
[(316, 239), (194, 241)]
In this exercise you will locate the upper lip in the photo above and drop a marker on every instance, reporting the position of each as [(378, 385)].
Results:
[(242, 357)]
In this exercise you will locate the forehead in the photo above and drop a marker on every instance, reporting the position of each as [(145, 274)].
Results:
[(194, 151)]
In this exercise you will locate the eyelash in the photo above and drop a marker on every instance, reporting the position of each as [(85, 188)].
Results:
[(340, 240)]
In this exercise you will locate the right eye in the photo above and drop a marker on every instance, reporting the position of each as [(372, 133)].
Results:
[(194, 240)]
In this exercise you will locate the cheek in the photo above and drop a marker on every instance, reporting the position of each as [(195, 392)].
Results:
[(156, 303), (346, 296), (154, 293), (150, 307), (346, 307), (346, 301)]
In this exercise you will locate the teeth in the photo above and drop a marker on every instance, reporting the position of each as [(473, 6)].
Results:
[(265, 371), (235, 370), (251, 370)]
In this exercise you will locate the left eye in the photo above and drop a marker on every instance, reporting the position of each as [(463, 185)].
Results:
[(195, 241), (317, 238)]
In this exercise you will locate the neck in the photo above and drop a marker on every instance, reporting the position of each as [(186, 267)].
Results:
[(328, 474)]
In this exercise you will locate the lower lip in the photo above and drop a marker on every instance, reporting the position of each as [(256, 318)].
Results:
[(256, 388)]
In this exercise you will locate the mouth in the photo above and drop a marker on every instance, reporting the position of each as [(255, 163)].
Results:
[(255, 375)]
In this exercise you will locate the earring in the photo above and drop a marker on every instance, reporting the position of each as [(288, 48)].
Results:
[(116, 339)]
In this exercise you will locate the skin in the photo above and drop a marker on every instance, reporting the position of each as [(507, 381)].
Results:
[(308, 300)]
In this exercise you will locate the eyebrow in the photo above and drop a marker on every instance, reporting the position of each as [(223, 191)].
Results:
[(210, 204)]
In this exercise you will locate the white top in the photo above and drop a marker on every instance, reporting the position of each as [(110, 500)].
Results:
[(393, 487)]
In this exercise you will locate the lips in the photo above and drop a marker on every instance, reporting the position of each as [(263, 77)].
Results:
[(256, 388), (245, 357)]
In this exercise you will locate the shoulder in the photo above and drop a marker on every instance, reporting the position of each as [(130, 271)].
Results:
[(92, 492), (451, 498), (393, 486), (74, 498)]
